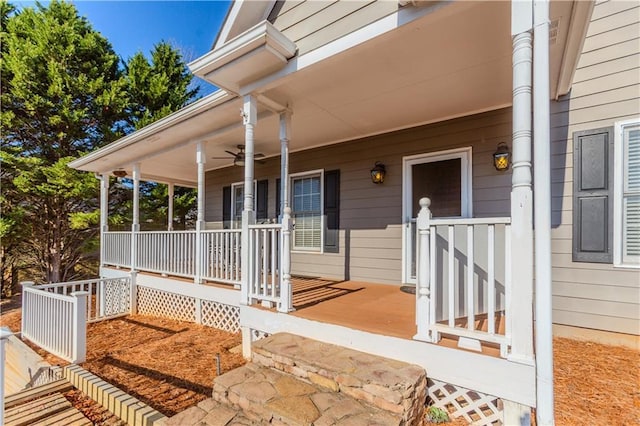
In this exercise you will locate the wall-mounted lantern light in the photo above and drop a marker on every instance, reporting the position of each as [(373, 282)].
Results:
[(378, 172), (120, 173), (501, 157)]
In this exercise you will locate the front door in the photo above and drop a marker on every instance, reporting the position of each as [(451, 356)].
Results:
[(445, 178)]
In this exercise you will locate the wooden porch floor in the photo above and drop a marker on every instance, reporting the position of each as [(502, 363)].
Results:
[(375, 308)]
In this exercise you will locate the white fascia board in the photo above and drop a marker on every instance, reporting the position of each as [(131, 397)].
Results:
[(201, 105), (242, 12), (264, 33), (580, 19)]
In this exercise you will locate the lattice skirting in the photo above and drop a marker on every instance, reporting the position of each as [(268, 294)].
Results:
[(116, 296), (168, 305), (221, 316), (475, 407), (180, 307)]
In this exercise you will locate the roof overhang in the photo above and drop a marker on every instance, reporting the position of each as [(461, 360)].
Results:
[(415, 67), (256, 53)]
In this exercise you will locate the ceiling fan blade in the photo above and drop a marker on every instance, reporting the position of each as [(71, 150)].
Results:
[(231, 153), (258, 155), (221, 158)]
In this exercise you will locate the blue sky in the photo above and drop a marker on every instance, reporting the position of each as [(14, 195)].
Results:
[(133, 26)]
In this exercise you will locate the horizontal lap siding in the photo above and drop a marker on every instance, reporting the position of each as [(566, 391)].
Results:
[(371, 215), (606, 89), (314, 23)]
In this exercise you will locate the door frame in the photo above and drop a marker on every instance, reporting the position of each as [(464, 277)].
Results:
[(466, 193)]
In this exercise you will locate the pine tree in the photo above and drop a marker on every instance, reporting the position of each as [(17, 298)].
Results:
[(63, 94)]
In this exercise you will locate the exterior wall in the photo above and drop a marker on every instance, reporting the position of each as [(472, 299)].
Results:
[(370, 246), (606, 89), (314, 23)]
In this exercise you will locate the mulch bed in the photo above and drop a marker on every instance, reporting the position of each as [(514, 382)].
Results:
[(170, 365)]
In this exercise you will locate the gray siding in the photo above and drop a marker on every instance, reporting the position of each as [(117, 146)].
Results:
[(371, 215), (606, 89), (314, 23)]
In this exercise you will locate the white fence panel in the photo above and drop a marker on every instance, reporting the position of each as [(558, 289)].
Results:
[(107, 297), (55, 322), (116, 249), (167, 252), (221, 255), (264, 276)]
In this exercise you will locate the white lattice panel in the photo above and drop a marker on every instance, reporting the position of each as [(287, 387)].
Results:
[(163, 304), (476, 408), (116, 296), (221, 316)]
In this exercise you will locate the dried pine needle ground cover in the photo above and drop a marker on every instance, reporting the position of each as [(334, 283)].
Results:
[(167, 364), (171, 365)]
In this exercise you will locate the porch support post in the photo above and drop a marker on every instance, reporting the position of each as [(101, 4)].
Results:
[(286, 296), (423, 291), (104, 213), (250, 118), (201, 160), (135, 225), (170, 191), (542, 165), (4, 337), (285, 132), (519, 293)]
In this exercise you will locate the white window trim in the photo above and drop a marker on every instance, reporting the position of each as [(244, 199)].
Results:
[(618, 191), (233, 201), (293, 176), (466, 181)]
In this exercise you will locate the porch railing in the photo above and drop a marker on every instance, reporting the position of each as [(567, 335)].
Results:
[(167, 252), (54, 316), (264, 247), (464, 278), (116, 248), (221, 253)]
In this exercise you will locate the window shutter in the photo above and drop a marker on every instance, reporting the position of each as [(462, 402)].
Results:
[(631, 196), (226, 207), (332, 210), (262, 194), (592, 196), (278, 197)]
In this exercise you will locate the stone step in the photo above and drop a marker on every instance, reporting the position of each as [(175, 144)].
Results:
[(268, 396), (391, 385)]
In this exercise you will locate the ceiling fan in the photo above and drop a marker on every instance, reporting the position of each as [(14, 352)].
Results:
[(238, 157)]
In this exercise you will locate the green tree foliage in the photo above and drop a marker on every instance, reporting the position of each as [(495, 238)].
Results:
[(63, 94), (157, 88)]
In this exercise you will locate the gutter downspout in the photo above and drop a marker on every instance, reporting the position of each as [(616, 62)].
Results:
[(542, 216)]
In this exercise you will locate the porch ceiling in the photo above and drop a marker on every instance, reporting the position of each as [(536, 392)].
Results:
[(429, 70)]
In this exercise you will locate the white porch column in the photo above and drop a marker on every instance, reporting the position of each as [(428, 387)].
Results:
[(520, 300), (104, 212), (542, 165), (285, 132), (250, 118), (135, 224), (201, 161), (170, 191)]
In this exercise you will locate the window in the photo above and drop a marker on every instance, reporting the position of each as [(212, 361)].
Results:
[(237, 204), (627, 194), (306, 203)]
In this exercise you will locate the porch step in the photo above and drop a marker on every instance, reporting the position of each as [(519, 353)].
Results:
[(387, 384)]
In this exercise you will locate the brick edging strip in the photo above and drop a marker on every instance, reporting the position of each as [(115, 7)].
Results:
[(127, 408)]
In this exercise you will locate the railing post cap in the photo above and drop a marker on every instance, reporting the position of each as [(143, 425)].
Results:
[(27, 283), (425, 202), (79, 293)]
